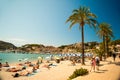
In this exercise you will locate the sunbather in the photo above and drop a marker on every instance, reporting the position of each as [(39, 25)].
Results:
[(6, 65), (22, 73), (15, 69)]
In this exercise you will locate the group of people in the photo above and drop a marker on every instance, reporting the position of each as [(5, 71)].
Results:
[(95, 61), (25, 72), (20, 69)]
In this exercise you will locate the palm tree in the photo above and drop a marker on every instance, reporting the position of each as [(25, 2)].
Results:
[(105, 32), (82, 16)]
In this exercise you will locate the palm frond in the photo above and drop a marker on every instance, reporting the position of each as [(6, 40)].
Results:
[(92, 23), (82, 16), (75, 11), (73, 23), (92, 15), (105, 30)]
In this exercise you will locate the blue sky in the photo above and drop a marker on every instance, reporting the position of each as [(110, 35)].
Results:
[(43, 21)]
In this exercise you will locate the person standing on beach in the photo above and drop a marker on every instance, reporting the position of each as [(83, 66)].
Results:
[(119, 55), (97, 59), (93, 63), (0, 66), (114, 56)]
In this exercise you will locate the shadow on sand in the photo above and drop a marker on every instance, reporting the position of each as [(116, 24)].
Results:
[(101, 64), (101, 71), (116, 63)]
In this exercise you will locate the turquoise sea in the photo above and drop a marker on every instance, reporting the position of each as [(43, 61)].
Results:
[(17, 57)]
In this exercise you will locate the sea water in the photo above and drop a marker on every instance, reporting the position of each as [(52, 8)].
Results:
[(17, 57), (20, 57)]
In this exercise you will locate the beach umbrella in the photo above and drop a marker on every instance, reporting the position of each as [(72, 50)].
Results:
[(56, 57), (40, 58), (48, 58), (26, 59)]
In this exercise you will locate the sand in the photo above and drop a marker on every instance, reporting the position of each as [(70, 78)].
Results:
[(109, 70)]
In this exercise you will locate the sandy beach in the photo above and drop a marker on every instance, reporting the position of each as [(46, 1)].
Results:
[(109, 70)]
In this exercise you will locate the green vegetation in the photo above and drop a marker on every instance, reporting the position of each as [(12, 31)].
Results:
[(105, 33), (100, 51), (33, 45), (78, 72), (91, 45), (82, 16), (115, 42), (62, 47)]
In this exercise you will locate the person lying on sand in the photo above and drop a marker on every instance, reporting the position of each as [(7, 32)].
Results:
[(5, 65), (35, 69), (22, 73), (47, 65), (29, 64), (15, 69), (26, 72)]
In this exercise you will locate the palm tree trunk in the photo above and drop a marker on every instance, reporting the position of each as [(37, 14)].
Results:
[(104, 47), (83, 63), (107, 48)]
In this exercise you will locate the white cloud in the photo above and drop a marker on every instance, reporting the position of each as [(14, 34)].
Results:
[(16, 41), (19, 40)]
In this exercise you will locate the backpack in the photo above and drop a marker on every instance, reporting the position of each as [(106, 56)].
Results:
[(97, 60)]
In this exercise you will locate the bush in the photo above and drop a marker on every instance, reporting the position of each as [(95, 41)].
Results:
[(78, 72)]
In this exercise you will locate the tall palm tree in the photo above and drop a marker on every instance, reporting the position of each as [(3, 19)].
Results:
[(105, 32), (82, 16)]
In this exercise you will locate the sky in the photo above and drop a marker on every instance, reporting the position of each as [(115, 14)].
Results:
[(44, 21)]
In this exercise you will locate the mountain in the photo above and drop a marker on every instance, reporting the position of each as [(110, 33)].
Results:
[(38, 48), (6, 46)]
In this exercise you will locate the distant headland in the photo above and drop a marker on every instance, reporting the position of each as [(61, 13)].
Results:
[(40, 48)]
